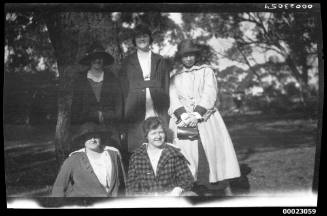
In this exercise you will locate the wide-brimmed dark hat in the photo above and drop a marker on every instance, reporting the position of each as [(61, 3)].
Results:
[(88, 129), (186, 47), (141, 29), (97, 51)]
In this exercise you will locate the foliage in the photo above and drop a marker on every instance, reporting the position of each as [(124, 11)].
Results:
[(291, 37), (30, 68), (30, 57), (27, 41)]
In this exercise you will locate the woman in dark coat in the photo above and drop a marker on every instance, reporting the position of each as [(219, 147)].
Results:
[(97, 93), (145, 78)]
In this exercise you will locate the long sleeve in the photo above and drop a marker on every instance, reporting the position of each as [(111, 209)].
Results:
[(76, 108), (119, 102), (210, 90), (132, 181), (124, 79), (121, 175), (113, 109), (167, 70), (176, 107), (184, 176), (63, 178)]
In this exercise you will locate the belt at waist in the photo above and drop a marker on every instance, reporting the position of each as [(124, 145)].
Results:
[(145, 84)]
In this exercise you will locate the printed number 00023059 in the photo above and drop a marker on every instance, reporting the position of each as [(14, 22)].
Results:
[(300, 211)]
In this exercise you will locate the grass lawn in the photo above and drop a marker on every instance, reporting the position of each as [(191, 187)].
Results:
[(276, 154)]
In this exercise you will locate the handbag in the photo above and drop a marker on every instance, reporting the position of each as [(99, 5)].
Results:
[(188, 133)]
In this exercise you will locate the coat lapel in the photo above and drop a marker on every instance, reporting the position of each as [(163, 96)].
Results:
[(165, 155), (113, 175), (87, 166), (137, 65), (154, 62), (144, 155)]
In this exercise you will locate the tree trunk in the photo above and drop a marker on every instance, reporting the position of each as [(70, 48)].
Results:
[(71, 34)]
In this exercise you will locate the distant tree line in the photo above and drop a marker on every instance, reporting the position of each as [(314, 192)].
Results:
[(42, 48)]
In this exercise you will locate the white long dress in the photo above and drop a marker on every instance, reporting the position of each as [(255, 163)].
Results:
[(198, 86)]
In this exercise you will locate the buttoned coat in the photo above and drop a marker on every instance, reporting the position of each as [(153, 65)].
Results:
[(193, 90), (172, 171), (134, 87)]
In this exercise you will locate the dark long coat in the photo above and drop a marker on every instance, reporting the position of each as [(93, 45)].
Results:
[(134, 87), (85, 106)]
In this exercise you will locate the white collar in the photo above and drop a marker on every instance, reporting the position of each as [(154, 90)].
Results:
[(195, 67), (106, 148), (95, 79), (173, 145)]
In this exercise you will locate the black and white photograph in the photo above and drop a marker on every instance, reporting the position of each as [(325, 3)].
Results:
[(147, 105)]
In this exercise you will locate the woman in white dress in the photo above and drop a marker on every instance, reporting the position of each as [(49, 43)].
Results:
[(193, 93)]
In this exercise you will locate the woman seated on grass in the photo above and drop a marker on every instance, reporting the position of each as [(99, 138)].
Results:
[(156, 167), (93, 171)]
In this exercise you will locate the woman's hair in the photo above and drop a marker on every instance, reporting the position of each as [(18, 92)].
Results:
[(134, 40), (142, 29), (153, 123)]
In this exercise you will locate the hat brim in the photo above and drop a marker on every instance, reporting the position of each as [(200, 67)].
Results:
[(107, 58), (79, 141), (84, 134), (188, 51)]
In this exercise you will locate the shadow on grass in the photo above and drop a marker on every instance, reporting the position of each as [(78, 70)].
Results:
[(241, 185), (268, 134), (238, 186), (30, 170), (30, 165), (260, 118)]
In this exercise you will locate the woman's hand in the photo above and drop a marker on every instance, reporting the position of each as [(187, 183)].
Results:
[(193, 121), (182, 124), (177, 191), (184, 120), (188, 120)]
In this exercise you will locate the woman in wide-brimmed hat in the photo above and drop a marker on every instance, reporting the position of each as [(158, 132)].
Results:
[(193, 94), (95, 170), (96, 51), (146, 84), (97, 95)]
